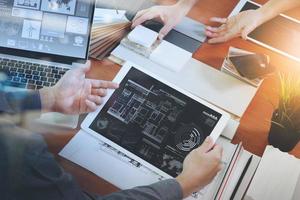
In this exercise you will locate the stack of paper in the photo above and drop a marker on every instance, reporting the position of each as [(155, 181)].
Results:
[(109, 28), (228, 67)]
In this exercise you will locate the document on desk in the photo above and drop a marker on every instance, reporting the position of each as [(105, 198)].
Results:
[(212, 85)]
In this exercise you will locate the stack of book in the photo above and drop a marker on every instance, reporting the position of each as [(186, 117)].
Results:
[(239, 167), (109, 28), (277, 177), (229, 68)]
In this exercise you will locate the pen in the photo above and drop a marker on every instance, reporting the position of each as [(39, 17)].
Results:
[(241, 177)]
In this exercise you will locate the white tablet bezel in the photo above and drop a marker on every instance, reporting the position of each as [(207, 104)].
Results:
[(237, 10), (119, 77)]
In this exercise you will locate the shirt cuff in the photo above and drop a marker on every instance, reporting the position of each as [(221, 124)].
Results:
[(23, 101), (170, 189)]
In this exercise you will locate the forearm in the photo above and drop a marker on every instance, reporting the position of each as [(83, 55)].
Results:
[(187, 4), (274, 7)]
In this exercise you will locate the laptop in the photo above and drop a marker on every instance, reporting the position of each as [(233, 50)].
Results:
[(284, 29), (42, 39), (147, 127)]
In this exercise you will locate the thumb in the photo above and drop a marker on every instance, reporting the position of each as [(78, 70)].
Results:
[(246, 31), (164, 31), (206, 146), (83, 67)]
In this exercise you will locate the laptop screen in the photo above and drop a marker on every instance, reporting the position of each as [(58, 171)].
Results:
[(57, 27)]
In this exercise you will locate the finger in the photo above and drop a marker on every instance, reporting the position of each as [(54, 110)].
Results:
[(96, 99), (91, 106), (164, 31), (99, 92), (104, 84), (147, 16), (216, 29), (216, 151), (206, 146), (220, 39), (211, 35), (138, 15), (218, 20)]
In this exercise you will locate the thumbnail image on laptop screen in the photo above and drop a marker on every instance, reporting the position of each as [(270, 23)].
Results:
[(59, 27), (154, 121), (280, 33)]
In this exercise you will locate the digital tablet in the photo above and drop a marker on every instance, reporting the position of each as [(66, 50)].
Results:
[(280, 34), (154, 122)]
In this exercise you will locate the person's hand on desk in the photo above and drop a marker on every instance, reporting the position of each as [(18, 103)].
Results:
[(245, 22), (200, 167), (170, 16), (75, 94), (235, 26)]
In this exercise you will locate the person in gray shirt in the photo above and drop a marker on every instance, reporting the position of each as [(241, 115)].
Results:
[(29, 171)]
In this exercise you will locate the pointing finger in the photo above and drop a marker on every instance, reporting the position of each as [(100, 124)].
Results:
[(138, 15), (164, 31)]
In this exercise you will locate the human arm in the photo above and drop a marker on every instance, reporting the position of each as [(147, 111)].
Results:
[(74, 93), (170, 16), (245, 22)]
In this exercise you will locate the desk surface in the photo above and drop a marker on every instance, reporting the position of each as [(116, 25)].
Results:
[(255, 124)]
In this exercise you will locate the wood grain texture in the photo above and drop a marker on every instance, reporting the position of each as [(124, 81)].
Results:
[(255, 123)]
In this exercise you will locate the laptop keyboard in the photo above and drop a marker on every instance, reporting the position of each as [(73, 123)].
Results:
[(29, 75)]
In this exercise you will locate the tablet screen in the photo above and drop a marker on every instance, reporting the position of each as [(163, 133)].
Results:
[(154, 121), (280, 33)]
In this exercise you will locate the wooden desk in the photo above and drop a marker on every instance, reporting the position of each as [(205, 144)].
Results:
[(254, 127)]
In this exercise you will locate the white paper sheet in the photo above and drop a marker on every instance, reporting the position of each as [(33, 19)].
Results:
[(143, 36)]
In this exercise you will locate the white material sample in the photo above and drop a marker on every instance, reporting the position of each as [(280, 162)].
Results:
[(170, 56), (143, 36)]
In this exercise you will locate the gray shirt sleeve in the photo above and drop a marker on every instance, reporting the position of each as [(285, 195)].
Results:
[(163, 190), (16, 102)]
